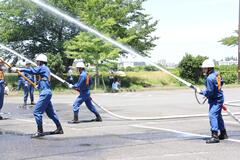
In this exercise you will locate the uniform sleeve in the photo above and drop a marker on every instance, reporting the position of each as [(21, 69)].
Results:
[(209, 91), (35, 70), (79, 83)]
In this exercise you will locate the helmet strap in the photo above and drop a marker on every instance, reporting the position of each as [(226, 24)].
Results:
[(209, 70)]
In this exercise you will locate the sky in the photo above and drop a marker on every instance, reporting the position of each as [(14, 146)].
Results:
[(192, 26)]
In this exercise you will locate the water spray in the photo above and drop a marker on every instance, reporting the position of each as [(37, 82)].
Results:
[(110, 40), (20, 73), (28, 60), (104, 109), (83, 26)]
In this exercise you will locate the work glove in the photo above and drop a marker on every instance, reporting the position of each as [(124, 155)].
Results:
[(198, 90), (14, 69), (70, 86)]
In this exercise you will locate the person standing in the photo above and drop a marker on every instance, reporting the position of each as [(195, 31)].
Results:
[(69, 75), (44, 103), (20, 82), (83, 86), (28, 88), (2, 86), (214, 93)]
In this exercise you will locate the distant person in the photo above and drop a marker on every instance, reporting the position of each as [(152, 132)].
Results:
[(111, 78), (28, 88), (214, 93), (69, 75), (116, 85), (21, 81), (1, 85), (83, 86), (6, 89)]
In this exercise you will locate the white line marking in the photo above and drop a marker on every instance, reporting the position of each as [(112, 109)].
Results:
[(231, 122), (28, 120), (180, 132), (233, 101), (171, 130), (184, 154)]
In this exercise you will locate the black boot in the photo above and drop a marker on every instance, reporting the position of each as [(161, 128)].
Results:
[(214, 138), (1, 118), (98, 118), (39, 132), (75, 119), (59, 130), (223, 135)]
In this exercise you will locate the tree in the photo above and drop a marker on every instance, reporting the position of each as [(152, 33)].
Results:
[(55, 63), (189, 67), (31, 30), (93, 50), (230, 41), (121, 20)]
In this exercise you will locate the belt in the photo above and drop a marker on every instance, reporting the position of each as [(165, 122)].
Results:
[(44, 79)]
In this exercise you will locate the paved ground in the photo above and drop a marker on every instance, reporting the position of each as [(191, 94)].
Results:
[(114, 139)]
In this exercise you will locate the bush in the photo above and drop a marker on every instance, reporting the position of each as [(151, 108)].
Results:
[(150, 68), (189, 68), (129, 69), (228, 72), (11, 79)]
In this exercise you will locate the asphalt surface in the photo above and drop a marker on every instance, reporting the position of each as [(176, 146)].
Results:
[(114, 139)]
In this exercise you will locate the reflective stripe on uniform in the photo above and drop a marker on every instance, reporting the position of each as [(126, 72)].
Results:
[(219, 79), (1, 75), (87, 80)]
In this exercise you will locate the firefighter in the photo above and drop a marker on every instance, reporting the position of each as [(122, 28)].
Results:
[(21, 81), (214, 93), (2, 85), (28, 88), (44, 103), (83, 86)]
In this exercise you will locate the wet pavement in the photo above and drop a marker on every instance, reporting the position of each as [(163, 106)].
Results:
[(114, 139)]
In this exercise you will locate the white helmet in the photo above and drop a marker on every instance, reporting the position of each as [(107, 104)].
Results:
[(41, 57), (208, 63), (80, 65)]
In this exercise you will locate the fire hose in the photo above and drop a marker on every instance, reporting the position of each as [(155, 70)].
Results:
[(20, 73), (224, 107), (115, 115)]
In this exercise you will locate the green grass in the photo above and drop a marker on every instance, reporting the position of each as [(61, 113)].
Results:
[(154, 78)]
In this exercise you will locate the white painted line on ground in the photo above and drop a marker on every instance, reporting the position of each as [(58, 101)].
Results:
[(170, 130), (184, 154), (231, 122), (232, 105), (180, 132), (233, 101), (28, 120)]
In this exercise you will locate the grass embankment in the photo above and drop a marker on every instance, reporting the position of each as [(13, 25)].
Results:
[(151, 79), (134, 81)]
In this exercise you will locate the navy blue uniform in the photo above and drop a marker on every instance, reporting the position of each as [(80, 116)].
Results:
[(215, 97), (1, 89), (44, 103), (84, 95), (28, 88), (21, 81)]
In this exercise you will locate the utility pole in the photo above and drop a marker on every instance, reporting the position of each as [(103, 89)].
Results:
[(239, 42)]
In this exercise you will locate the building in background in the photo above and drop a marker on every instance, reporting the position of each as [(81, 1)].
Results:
[(228, 61), (130, 61)]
